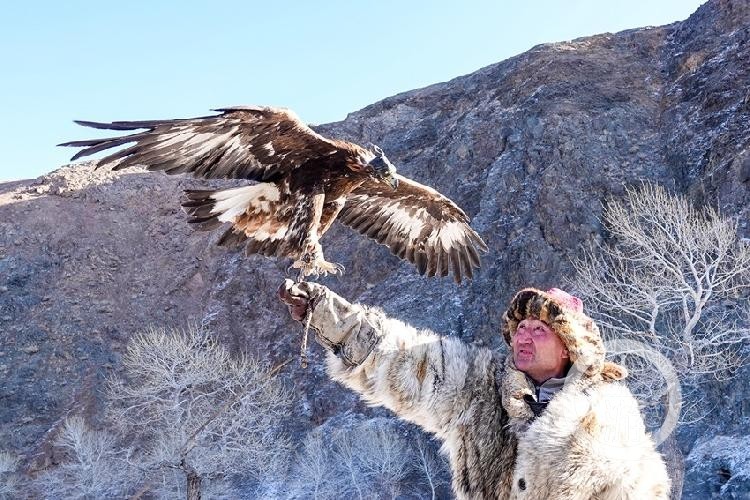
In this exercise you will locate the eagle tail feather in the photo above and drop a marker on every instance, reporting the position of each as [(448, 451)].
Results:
[(226, 205), (401, 250), (421, 261), (268, 248), (250, 210)]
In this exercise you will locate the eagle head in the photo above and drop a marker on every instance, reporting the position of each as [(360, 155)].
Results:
[(382, 169)]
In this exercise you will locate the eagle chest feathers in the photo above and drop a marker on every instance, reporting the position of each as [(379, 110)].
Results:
[(304, 182)]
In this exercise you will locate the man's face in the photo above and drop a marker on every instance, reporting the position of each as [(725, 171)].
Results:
[(538, 351)]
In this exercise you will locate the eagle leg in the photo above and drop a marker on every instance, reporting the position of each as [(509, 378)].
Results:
[(313, 264), (306, 229)]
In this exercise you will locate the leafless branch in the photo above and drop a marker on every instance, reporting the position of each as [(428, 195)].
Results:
[(671, 276)]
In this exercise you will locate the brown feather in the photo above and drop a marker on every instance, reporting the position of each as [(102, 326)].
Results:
[(410, 253), (421, 261), (252, 246), (431, 261), (406, 218), (466, 263), (178, 146), (456, 265), (473, 254)]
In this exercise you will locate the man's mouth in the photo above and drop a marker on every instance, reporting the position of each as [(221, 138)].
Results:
[(525, 353)]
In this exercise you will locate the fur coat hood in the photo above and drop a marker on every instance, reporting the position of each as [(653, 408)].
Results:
[(564, 315)]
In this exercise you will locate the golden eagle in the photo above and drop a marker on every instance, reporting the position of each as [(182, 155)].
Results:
[(305, 182)]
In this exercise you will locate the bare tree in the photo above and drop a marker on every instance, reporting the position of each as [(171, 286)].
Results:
[(390, 458), (9, 483), (94, 466), (375, 456), (316, 474), (434, 468), (673, 278), (368, 460), (201, 411)]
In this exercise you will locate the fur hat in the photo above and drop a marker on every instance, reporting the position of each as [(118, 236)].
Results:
[(563, 313)]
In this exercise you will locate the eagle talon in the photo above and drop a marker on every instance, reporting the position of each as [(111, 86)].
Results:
[(325, 268), (315, 266)]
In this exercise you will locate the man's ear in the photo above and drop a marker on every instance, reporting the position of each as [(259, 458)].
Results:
[(565, 354)]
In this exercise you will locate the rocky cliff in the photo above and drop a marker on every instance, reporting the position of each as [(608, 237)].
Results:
[(529, 147)]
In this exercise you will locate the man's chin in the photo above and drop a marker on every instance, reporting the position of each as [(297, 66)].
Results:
[(523, 363)]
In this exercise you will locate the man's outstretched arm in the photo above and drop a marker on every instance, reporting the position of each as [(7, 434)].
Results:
[(437, 382)]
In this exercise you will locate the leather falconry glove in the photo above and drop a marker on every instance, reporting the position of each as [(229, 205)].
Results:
[(300, 299), (297, 297)]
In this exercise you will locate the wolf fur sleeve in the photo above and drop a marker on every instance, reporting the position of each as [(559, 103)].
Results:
[(428, 379)]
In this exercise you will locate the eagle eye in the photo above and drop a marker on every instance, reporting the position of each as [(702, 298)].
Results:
[(383, 170), (379, 165)]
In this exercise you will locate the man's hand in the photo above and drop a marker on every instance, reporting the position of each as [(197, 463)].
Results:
[(297, 297)]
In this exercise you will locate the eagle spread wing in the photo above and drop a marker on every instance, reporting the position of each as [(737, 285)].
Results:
[(243, 142), (291, 208), (417, 224)]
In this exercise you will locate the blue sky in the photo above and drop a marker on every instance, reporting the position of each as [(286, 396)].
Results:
[(106, 60)]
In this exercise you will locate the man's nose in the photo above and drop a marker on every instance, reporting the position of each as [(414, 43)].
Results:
[(523, 335)]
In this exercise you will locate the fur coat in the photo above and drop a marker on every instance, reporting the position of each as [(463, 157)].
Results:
[(589, 443)]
